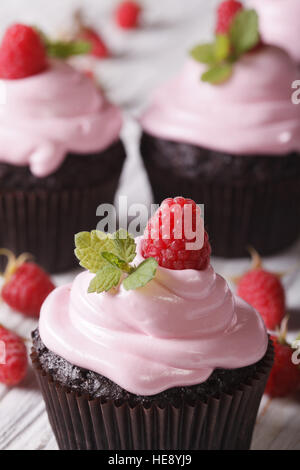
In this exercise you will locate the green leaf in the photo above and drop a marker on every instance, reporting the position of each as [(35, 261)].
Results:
[(204, 53), (217, 74), (114, 260), (125, 245), (244, 32), (222, 47), (107, 277), (144, 273), (63, 49), (108, 256), (89, 246)]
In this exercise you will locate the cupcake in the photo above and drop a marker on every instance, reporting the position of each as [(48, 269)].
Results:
[(135, 355), (280, 23), (60, 151), (225, 132)]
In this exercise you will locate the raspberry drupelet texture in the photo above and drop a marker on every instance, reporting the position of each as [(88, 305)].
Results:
[(225, 14), (22, 53), (27, 289), (264, 291), (15, 364), (161, 236)]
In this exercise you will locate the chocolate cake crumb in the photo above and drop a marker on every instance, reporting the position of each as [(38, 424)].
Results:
[(86, 382)]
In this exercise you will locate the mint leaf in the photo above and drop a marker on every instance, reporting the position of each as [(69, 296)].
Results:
[(114, 260), (244, 31), (217, 74), (89, 246), (144, 273), (63, 50), (125, 245), (204, 53), (108, 256), (222, 47), (106, 278)]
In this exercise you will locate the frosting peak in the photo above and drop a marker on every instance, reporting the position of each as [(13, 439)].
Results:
[(44, 116), (251, 113), (173, 332)]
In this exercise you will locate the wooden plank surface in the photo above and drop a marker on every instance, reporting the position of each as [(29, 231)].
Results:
[(142, 59)]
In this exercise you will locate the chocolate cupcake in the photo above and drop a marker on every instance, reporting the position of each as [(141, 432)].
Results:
[(231, 141), (60, 157), (167, 360)]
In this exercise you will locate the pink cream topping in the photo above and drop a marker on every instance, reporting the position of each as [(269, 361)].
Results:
[(172, 332), (44, 116), (279, 23), (252, 112)]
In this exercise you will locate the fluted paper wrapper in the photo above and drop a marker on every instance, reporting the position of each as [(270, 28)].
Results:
[(44, 223), (43, 220), (224, 422)]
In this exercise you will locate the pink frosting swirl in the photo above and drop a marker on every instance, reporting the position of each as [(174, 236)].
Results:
[(173, 332), (44, 116), (251, 113), (279, 23)]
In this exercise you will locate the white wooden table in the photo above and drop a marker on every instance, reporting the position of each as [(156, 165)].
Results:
[(142, 59)]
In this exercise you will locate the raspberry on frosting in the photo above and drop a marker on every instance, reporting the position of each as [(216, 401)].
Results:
[(226, 12), (163, 242), (22, 53)]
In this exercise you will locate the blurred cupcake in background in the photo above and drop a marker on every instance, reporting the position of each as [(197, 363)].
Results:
[(280, 23), (60, 151), (225, 132)]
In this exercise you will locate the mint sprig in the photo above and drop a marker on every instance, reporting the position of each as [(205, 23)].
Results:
[(244, 32), (64, 49), (228, 48), (140, 276), (109, 257), (106, 278), (217, 73)]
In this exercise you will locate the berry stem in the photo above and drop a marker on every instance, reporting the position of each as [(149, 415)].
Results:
[(282, 331), (78, 19), (256, 259), (13, 263)]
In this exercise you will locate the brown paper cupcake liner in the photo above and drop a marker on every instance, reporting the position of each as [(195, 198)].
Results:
[(223, 422), (43, 220), (249, 200)]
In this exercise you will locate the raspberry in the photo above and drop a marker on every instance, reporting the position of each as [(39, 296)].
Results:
[(15, 367), (285, 376), (22, 53), (263, 290), (127, 15), (99, 48), (27, 289), (225, 14), (170, 251)]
